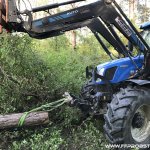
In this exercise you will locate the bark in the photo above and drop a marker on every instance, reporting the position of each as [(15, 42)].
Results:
[(145, 13), (74, 39), (33, 119), (73, 32), (132, 8)]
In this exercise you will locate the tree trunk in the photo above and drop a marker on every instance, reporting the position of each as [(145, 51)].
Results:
[(145, 13), (33, 119), (74, 39), (73, 32), (132, 8)]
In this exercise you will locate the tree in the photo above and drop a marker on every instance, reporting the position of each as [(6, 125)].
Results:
[(132, 9), (144, 10)]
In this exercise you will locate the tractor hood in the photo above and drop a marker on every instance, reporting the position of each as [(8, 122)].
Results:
[(119, 70), (145, 26)]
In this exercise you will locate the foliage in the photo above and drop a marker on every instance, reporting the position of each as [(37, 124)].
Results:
[(35, 72), (21, 71), (50, 140), (145, 11), (86, 138)]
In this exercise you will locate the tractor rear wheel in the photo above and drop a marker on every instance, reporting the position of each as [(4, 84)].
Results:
[(127, 120)]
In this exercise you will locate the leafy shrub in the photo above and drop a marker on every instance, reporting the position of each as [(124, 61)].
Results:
[(45, 141), (36, 72)]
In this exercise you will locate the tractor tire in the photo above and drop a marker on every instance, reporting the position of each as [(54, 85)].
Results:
[(127, 120)]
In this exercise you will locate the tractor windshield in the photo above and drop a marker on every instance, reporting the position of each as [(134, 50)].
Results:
[(146, 36)]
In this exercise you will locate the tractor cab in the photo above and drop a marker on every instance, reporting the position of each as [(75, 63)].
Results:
[(146, 32)]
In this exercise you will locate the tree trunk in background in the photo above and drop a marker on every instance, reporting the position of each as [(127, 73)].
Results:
[(74, 39), (33, 119), (73, 33), (145, 13), (132, 5)]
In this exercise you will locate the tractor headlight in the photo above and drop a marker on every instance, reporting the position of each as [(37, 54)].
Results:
[(101, 71)]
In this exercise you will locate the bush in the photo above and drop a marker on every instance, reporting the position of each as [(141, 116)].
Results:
[(45, 141), (36, 72)]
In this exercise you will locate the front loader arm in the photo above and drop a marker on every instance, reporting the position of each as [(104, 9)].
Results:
[(107, 11)]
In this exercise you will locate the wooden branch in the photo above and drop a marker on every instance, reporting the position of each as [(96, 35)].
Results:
[(33, 119)]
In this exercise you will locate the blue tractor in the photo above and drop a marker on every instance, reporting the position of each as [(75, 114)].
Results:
[(119, 89)]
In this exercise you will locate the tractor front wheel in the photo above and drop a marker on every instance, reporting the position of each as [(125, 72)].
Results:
[(127, 120)]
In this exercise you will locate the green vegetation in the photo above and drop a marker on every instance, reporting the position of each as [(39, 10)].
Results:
[(34, 72)]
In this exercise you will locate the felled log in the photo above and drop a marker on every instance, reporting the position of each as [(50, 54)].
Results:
[(32, 119)]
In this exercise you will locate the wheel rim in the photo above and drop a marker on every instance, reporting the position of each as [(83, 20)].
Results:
[(140, 128)]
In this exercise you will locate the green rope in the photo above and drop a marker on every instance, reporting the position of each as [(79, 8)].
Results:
[(48, 107)]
